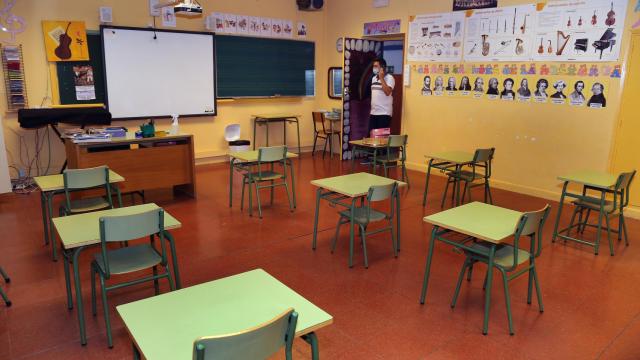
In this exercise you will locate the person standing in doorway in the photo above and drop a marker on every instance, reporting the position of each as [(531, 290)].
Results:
[(381, 96)]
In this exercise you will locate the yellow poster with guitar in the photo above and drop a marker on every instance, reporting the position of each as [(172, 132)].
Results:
[(65, 40)]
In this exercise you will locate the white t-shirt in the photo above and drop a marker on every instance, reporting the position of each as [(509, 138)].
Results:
[(381, 104)]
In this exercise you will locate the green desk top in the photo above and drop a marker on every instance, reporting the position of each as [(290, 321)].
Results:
[(353, 185), (275, 116), (252, 155), (483, 221), (458, 157), (84, 229), (56, 182), (165, 326), (599, 179), (370, 142)]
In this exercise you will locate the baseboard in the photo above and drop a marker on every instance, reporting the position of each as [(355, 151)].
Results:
[(631, 211)]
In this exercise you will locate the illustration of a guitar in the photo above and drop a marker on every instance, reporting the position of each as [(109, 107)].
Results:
[(63, 51)]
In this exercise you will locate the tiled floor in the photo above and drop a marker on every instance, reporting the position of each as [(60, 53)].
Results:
[(592, 306)]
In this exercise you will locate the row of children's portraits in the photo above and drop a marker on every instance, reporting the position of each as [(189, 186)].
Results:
[(541, 90)]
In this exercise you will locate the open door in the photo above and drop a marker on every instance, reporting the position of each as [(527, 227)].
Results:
[(356, 98)]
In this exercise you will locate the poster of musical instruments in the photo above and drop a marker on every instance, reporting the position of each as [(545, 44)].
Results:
[(436, 37), (500, 34), (65, 40), (588, 30)]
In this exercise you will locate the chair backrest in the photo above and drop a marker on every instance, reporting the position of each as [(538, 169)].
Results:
[(483, 158), (86, 178), (318, 121), (531, 225), (259, 342), (272, 153), (397, 142), (622, 188), (130, 227), (380, 193)]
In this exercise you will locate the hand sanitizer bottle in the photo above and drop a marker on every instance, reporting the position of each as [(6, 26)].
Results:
[(175, 127)]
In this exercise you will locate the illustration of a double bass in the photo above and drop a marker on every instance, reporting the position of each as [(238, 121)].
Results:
[(63, 51)]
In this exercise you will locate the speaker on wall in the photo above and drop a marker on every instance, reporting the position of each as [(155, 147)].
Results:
[(309, 5)]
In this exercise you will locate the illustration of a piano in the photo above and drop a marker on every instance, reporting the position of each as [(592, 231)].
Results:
[(607, 41)]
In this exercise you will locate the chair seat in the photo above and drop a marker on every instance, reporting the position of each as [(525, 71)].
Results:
[(129, 259), (466, 175), (360, 215), (89, 204), (504, 254), (264, 175), (593, 203), (389, 160)]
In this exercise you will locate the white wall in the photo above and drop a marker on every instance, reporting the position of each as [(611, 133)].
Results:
[(5, 183)]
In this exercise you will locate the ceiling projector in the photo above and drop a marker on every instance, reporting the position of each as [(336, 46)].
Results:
[(188, 8)]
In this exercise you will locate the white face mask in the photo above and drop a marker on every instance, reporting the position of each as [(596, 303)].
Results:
[(376, 70)]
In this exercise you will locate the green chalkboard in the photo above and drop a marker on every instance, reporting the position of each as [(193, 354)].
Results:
[(66, 83), (261, 67)]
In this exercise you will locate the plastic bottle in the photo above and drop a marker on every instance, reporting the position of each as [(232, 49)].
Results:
[(175, 127)]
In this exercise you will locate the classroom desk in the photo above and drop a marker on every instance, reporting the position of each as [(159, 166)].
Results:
[(265, 119), (165, 326), (444, 161), (595, 180), (368, 146), (79, 231), (243, 160), (335, 118), (353, 186), (51, 185), (146, 163), (478, 220)]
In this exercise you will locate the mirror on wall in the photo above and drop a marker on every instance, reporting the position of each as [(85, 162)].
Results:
[(335, 83)]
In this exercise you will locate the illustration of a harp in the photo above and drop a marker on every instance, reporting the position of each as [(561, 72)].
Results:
[(563, 40)]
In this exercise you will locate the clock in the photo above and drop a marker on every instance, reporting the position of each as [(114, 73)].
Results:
[(339, 45)]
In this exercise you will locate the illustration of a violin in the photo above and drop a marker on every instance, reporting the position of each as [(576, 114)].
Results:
[(541, 47), (611, 17), (63, 51), (594, 18)]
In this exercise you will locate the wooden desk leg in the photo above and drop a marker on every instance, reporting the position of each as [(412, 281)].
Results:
[(426, 184), (555, 228), (312, 340), (315, 219), (487, 291), (45, 217), (427, 268)]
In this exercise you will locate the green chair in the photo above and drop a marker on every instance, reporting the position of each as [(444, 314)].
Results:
[(259, 342), (128, 259), (396, 156), (608, 208), (365, 215), (479, 175), (85, 179), (507, 258), (7, 280), (268, 156)]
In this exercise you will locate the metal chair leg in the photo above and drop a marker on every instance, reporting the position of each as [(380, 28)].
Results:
[(258, 199), (507, 300), (105, 309), (444, 196), (538, 293), (466, 264), (94, 310), (470, 272), (315, 139), (573, 217), (335, 238), (363, 234), (156, 284), (606, 219)]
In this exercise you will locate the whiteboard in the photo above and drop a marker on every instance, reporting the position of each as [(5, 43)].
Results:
[(156, 73)]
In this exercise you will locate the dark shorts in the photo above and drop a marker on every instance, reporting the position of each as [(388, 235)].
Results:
[(379, 122)]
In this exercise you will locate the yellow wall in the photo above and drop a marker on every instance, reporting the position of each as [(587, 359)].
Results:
[(208, 131), (534, 142)]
